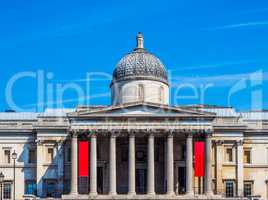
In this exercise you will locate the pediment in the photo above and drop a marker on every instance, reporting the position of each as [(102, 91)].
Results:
[(144, 109)]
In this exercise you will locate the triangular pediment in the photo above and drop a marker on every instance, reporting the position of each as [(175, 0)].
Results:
[(143, 109)]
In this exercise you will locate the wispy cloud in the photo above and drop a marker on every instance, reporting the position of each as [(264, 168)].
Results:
[(238, 25), (60, 103), (220, 80), (220, 64)]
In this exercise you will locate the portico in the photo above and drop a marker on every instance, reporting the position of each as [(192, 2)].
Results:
[(146, 137)]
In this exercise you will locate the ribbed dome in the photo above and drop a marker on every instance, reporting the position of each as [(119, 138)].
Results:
[(140, 65)]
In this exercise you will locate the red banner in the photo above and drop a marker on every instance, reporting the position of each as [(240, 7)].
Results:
[(83, 159), (199, 152)]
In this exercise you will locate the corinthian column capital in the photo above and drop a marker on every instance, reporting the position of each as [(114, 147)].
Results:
[(239, 143)]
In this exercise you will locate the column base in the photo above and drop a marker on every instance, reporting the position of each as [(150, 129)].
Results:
[(214, 196), (210, 194), (131, 193), (112, 193), (69, 196), (150, 193), (170, 193), (93, 194), (189, 193), (73, 193)]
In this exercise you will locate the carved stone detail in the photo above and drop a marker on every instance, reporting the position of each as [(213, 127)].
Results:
[(219, 142), (239, 143)]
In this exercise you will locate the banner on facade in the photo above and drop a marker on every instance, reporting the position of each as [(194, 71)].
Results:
[(83, 166), (199, 152), (83, 158)]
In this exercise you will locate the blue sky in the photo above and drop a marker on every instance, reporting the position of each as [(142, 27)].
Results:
[(218, 45)]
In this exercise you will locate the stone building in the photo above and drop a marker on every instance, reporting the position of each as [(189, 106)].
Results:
[(138, 147)]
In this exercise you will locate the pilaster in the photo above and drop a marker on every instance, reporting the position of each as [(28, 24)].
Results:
[(239, 167)]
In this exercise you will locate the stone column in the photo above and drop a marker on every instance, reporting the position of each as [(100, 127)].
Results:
[(131, 166), (93, 165), (208, 179), (150, 164), (170, 165), (165, 164), (74, 171), (219, 162), (112, 167), (240, 167), (189, 165), (60, 167), (39, 167)]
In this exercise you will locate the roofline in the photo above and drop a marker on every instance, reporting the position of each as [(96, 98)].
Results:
[(101, 112)]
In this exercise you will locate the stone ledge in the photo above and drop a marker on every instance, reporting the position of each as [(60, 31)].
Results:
[(148, 197)]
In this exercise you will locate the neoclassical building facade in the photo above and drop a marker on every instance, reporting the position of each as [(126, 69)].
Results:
[(139, 147)]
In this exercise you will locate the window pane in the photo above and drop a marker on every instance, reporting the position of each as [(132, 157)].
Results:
[(32, 156), (141, 93), (7, 191), (7, 156), (229, 154), (51, 189), (247, 189), (247, 156), (229, 189), (30, 187), (50, 154)]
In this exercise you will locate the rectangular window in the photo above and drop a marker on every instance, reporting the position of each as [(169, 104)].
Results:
[(183, 152), (50, 154), (7, 191), (66, 186), (50, 188), (247, 156), (156, 150), (7, 156), (266, 155), (229, 188), (30, 187), (214, 189), (229, 154), (99, 152), (32, 156), (124, 153), (247, 189), (69, 154)]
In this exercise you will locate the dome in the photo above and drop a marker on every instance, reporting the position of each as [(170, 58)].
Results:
[(140, 65)]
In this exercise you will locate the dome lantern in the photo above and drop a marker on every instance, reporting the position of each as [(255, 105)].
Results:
[(140, 41)]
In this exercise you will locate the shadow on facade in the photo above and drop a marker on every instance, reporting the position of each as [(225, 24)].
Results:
[(48, 172)]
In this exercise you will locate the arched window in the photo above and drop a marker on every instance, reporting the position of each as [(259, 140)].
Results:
[(161, 94), (141, 92), (129, 93)]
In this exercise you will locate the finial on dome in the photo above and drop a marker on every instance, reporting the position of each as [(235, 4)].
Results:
[(139, 41)]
